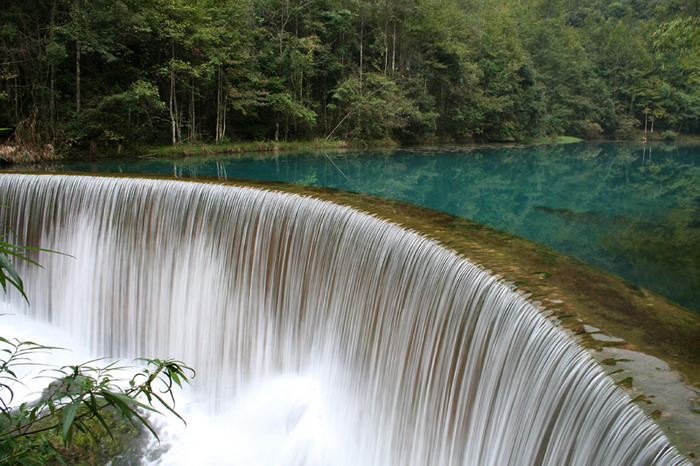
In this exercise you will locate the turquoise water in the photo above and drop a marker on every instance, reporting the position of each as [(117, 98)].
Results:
[(627, 208)]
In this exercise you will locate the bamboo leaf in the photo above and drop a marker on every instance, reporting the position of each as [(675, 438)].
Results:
[(68, 417), (119, 397)]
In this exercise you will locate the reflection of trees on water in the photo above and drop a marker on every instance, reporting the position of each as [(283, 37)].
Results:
[(608, 204), (663, 254)]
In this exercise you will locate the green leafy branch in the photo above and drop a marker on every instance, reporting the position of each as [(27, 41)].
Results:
[(79, 397), (8, 273), (80, 393)]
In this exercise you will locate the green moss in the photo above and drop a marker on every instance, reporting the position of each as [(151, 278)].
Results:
[(554, 140), (123, 445), (695, 404), (626, 383), (567, 140), (642, 399)]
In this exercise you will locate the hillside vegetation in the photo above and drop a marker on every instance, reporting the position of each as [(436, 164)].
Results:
[(105, 75)]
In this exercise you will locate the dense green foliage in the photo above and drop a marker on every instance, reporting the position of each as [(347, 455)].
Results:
[(87, 404), (106, 74)]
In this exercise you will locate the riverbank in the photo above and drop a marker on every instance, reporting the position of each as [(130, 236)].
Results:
[(12, 154), (202, 149)]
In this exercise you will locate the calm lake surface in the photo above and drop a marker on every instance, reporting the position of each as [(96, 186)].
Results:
[(627, 208)]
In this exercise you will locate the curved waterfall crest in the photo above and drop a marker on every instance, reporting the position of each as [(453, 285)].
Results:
[(415, 355)]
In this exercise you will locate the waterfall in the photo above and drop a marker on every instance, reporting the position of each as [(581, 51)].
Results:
[(391, 349)]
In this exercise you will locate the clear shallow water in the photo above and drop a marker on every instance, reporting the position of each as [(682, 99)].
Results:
[(617, 206)]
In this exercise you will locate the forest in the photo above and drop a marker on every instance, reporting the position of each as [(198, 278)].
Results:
[(107, 75)]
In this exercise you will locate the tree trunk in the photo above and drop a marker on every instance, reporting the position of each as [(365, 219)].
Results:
[(16, 95), (393, 50), (77, 77), (172, 101), (179, 110), (283, 26), (221, 104), (192, 135), (224, 106), (362, 35), (386, 48), (217, 131), (172, 108), (52, 71), (52, 99)]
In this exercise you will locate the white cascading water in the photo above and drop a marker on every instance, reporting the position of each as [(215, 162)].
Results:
[(321, 335)]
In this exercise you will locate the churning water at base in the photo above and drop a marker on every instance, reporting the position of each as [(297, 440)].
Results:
[(321, 335)]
